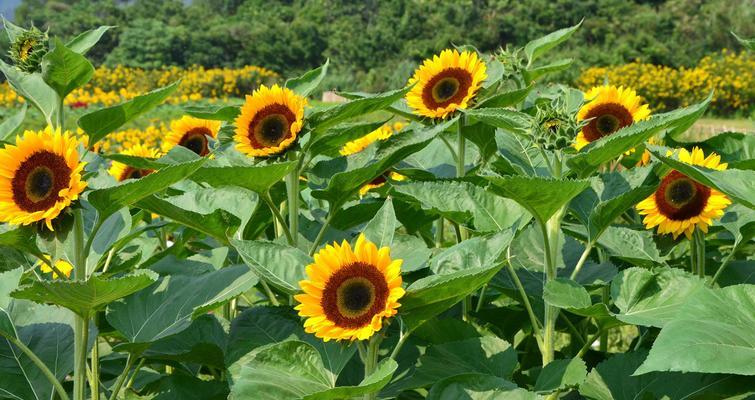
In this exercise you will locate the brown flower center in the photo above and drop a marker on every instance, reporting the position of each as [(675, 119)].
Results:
[(38, 181), (679, 198), (450, 86), (196, 140), (354, 294), (606, 119), (271, 126)]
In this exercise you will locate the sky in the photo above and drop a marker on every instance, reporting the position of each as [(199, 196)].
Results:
[(7, 7)]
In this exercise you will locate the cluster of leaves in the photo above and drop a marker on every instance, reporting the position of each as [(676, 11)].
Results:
[(375, 45), (184, 282)]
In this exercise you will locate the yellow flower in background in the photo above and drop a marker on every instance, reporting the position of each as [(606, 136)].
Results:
[(61, 265), (608, 109), (122, 172), (39, 177), (680, 204), (382, 133), (192, 133), (446, 83), (380, 182), (349, 292), (270, 121)]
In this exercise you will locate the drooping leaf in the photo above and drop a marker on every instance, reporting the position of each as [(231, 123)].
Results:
[(477, 252), (561, 374), (22, 238), (536, 48), (507, 98), (10, 126), (85, 297), (747, 43), (503, 118), (711, 333), (98, 124), (478, 387), (64, 69), (565, 293), (381, 228), (218, 224), (279, 265), (258, 179), (213, 112), (636, 247), (354, 108), (86, 40), (34, 89), (532, 74), (306, 84)]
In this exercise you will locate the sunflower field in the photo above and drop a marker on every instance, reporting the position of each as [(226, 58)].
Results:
[(474, 234)]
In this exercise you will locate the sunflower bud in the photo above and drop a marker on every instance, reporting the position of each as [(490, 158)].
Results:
[(554, 128), (28, 48)]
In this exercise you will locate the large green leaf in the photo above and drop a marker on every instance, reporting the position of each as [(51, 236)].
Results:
[(434, 294), (203, 342), (506, 98), (306, 84), (561, 374), (542, 197), (482, 355), (98, 124), (23, 238), (85, 297), (294, 370), (111, 199), (279, 265), (652, 298), (216, 112), (86, 40), (381, 228), (536, 48), (10, 126), (34, 89), (330, 141), (354, 108), (503, 118), (462, 201), (477, 252), (478, 387), (365, 166), (565, 293), (739, 184), (517, 155), (611, 147), (636, 247), (168, 306), (609, 196), (64, 69), (711, 333), (258, 179), (532, 74)]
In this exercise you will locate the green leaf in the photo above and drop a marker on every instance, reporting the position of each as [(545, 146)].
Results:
[(213, 111), (98, 124), (711, 333), (480, 355), (86, 40), (636, 247), (111, 199), (85, 297), (434, 294), (370, 384), (23, 238), (749, 44), (306, 84), (65, 70), (609, 196), (503, 118), (168, 306), (258, 179), (326, 118), (381, 228), (188, 209), (478, 387), (542, 197), (330, 141), (561, 374), (9, 127), (518, 156), (536, 48), (203, 342), (364, 167), (34, 89), (565, 293), (507, 98), (477, 252), (12, 29), (652, 298), (279, 265), (532, 74), (611, 147), (462, 201), (738, 184)]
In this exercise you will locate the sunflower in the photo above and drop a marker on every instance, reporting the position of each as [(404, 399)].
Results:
[(382, 133), (446, 83), (121, 171), (349, 292), (680, 203), (61, 265), (270, 121), (39, 177), (192, 133), (608, 109), (380, 182)]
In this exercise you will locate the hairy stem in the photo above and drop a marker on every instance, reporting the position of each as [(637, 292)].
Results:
[(81, 323), (277, 214), (292, 190)]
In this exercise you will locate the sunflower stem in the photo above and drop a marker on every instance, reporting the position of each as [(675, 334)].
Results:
[(723, 266), (81, 323), (551, 232), (460, 165), (292, 190), (604, 333), (525, 300), (582, 260), (321, 233), (278, 216), (122, 377), (371, 360), (439, 233), (269, 292), (698, 250)]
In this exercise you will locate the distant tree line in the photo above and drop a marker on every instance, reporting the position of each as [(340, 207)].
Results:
[(375, 44)]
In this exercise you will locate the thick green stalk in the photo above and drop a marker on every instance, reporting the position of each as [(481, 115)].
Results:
[(581, 261), (278, 216), (321, 233), (40, 364), (371, 360), (723, 266), (292, 190), (81, 323), (122, 378), (551, 233), (94, 382), (697, 252), (604, 333), (439, 233)]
